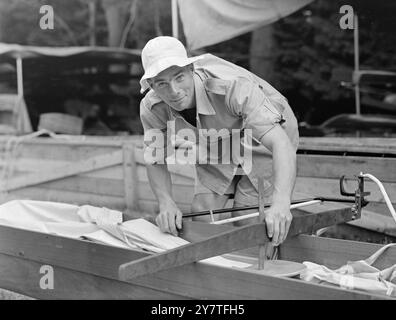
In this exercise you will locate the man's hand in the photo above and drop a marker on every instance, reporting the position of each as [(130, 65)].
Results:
[(169, 218), (278, 219)]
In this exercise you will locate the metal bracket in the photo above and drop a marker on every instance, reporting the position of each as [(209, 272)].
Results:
[(359, 195)]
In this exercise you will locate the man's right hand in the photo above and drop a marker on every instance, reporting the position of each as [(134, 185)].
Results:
[(170, 218)]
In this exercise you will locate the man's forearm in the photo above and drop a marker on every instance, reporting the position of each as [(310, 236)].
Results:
[(283, 164), (284, 170), (160, 182)]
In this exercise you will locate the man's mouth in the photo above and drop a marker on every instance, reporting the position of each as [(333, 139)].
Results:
[(177, 100)]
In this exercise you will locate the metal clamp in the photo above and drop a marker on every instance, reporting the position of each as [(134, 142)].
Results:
[(359, 195)]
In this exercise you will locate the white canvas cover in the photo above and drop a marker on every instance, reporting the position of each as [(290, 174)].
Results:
[(207, 22), (361, 275), (101, 225)]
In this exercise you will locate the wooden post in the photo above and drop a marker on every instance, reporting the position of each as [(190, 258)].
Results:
[(19, 77), (262, 248), (356, 51), (92, 22), (130, 179), (175, 20)]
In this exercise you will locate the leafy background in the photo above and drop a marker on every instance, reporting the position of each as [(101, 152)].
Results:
[(305, 55)]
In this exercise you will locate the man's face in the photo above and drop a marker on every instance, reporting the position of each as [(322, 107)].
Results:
[(175, 86)]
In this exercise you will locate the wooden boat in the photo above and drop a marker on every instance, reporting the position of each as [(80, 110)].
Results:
[(86, 270), (111, 172)]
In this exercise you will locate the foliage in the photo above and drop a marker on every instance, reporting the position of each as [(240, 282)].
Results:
[(310, 47)]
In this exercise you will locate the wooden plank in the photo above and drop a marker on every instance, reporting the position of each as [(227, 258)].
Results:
[(376, 222), (347, 231), (23, 276), (330, 188), (33, 164), (201, 281), (347, 144), (90, 164), (206, 282), (181, 194), (324, 166), (228, 241), (98, 186), (187, 171), (62, 152), (115, 172), (333, 252), (151, 206), (78, 198), (131, 185), (176, 178), (378, 207), (23, 166), (68, 140), (79, 255)]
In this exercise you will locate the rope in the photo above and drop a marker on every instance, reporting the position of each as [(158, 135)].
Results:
[(10, 154), (384, 194)]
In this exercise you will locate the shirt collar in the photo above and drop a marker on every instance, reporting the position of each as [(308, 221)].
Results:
[(204, 106)]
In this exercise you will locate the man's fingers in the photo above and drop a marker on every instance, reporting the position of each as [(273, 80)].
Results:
[(287, 227), (179, 216), (282, 230), (164, 223), (270, 227), (172, 224), (275, 238)]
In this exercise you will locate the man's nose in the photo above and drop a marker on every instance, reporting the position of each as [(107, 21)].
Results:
[(174, 88)]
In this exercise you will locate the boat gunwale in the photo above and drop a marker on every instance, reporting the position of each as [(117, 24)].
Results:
[(152, 282)]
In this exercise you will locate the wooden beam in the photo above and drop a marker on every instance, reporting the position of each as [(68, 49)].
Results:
[(95, 267), (326, 166), (333, 252), (229, 241), (348, 144), (330, 188), (23, 276), (130, 179), (183, 170), (94, 163)]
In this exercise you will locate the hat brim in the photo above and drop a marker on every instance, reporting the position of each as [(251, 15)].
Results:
[(162, 65)]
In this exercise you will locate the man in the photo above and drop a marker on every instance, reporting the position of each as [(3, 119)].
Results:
[(207, 92)]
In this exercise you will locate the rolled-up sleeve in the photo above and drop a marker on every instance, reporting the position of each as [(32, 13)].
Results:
[(247, 100), (155, 134)]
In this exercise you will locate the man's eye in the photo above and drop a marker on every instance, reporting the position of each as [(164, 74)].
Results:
[(180, 77), (161, 85)]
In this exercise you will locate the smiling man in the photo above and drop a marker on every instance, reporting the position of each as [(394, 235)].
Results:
[(213, 98)]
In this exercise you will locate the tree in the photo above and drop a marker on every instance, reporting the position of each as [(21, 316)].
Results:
[(120, 16), (261, 47)]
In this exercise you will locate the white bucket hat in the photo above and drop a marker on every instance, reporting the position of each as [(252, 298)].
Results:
[(161, 53)]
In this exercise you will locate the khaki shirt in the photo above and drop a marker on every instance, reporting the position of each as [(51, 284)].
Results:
[(227, 97)]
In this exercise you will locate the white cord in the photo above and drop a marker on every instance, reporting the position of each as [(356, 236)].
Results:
[(383, 191)]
